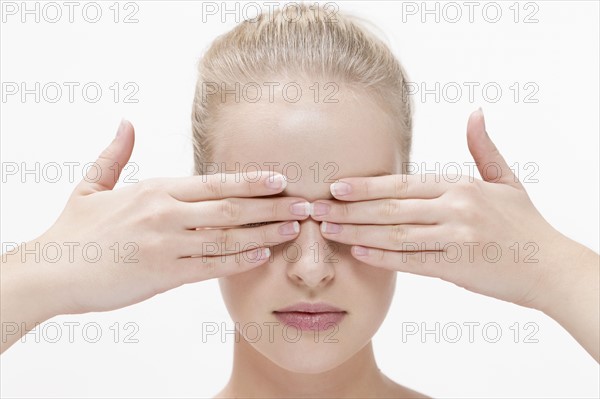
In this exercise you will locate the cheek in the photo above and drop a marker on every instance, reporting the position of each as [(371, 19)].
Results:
[(245, 294), (378, 283), (375, 287)]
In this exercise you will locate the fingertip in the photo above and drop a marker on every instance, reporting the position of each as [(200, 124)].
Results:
[(122, 127), (476, 122), (125, 126), (284, 181), (263, 257), (482, 119), (340, 188), (276, 181), (260, 256), (477, 114), (360, 251)]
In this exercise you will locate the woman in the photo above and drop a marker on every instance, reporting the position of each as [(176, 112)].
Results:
[(318, 101)]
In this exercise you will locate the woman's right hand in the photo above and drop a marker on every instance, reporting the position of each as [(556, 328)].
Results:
[(148, 233)]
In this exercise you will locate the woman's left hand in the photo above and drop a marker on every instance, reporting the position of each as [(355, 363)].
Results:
[(482, 235)]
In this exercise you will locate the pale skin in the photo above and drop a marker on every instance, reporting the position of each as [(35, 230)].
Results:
[(383, 212), (563, 284), (158, 216)]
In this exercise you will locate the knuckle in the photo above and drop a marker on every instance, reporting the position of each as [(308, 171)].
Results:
[(154, 242), (160, 213), (274, 210), (468, 234), (209, 266), (457, 206), (468, 188), (390, 207), (264, 235), (214, 186), (367, 187), (465, 209), (400, 186), (230, 210), (381, 256), (397, 235), (345, 209), (356, 232), (147, 187), (224, 238), (249, 185), (463, 178), (469, 214), (155, 212)]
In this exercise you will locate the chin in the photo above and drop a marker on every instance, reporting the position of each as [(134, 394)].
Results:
[(307, 356)]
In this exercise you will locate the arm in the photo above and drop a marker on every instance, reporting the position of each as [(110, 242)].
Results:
[(159, 226), (572, 296), (418, 213), (27, 296)]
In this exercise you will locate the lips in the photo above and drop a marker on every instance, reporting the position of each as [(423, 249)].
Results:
[(306, 307), (311, 316)]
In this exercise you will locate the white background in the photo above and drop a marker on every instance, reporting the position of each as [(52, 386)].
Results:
[(559, 133)]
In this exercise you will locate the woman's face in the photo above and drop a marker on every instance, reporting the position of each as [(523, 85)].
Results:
[(312, 141)]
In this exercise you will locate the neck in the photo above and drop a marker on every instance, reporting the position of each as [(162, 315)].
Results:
[(255, 375)]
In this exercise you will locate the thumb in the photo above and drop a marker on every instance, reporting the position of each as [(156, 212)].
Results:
[(490, 163), (103, 174)]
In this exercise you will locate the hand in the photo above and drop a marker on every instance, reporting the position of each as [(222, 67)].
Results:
[(485, 236), (153, 236)]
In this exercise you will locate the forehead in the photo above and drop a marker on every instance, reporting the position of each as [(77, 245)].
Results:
[(312, 142)]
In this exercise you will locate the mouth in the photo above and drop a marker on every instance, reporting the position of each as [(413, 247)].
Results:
[(306, 307), (311, 316)]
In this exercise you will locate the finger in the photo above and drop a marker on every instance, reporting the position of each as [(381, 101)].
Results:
[(490, 163), (194, 269), (426, 263), (401, 237), (390, 186), (106, 170), (382, 211), (238, 211), (233, 240), (224, 185)]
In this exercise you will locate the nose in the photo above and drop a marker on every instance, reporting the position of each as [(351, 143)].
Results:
[(312, 262)]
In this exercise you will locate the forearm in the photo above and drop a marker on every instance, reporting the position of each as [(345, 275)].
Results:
[(28, 296), (573, 297)]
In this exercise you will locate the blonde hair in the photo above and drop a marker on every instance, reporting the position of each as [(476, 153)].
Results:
[(311, 44)]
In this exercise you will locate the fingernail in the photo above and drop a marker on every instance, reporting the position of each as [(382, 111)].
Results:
[(289, 228), (301, 208), (328, 227), (340, 188), (263, 254), (320, 209), (276, 182), (360, 251), (121, 128), (483, 120)]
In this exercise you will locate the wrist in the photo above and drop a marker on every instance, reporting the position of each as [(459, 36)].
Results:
[(570, 279), (32, 283)]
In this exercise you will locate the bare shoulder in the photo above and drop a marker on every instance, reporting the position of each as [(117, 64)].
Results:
[(391, 390), (400, 392), (395, 390), (223, 394), (404, 392)]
